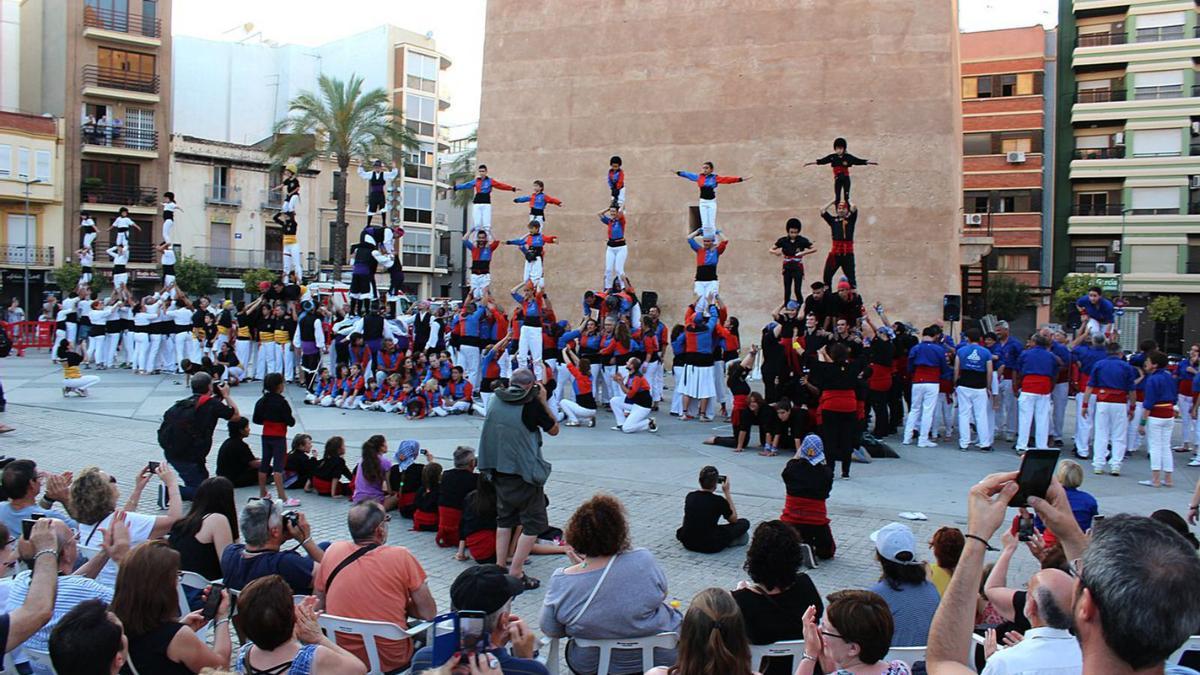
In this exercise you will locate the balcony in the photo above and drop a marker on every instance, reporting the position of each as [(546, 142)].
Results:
[(237, 258), (1097, 209), (1117, 152), (35, 256), (1100, 95), (116, 139), (126, 27), (124, 195), (222, 195), (1101, 39), (121, 84), (1156, 93)]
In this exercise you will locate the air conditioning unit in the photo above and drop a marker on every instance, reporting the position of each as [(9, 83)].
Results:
[(1196, 128), (1106, 268), (1015, 157), (1119, 138), (973, 219), (1194, 182)]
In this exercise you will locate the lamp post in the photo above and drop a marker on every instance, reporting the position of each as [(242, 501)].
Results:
[(25, 254)]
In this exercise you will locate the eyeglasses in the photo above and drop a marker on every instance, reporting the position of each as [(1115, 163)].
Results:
[(832, 635)]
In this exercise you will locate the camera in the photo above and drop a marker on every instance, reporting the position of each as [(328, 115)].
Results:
[(291, 519)]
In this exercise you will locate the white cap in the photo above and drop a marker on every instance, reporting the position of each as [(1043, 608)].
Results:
[(894, 540)]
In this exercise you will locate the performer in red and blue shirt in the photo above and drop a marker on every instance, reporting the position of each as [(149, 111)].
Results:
[(481, 261), (537, 200), (1159, 418), (616, 182), (617, 251), (708, 182), (841, 161), (926, 363), (533, 247), (708, 254), (1097, 312), (481, 205), (1110, 386), (1037, 368)]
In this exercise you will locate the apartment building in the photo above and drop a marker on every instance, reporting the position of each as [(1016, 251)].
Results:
[(31, 198), (104, 66), (1129, 157), (1008, 133), (236, 92)]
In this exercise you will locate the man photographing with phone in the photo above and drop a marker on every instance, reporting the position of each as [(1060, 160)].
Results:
[(186, 432), (702, 512)]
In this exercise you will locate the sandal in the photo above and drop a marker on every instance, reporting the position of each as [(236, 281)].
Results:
[(529, 583), (768, 453), (4, 429)]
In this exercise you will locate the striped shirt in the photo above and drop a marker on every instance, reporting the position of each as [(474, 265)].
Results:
[(72, 590)]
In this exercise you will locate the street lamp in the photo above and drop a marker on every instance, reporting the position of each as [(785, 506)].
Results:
[(25, 255)]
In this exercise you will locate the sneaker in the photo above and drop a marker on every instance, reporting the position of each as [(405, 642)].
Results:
[(570, 424), (860, 455), (706, 418), (686, 417), (292, 502), (1115, 471), (615, 428), (926, 444), (592, 423), (845, 476), (986, 448), (1194, 462), (963, 448), (1098, 471), (1148, 483), (806, 556), (1057, 443), (653, 426), (906, 441)]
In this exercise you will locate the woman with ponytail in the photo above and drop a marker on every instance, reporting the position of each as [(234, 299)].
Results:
[(712, 640)]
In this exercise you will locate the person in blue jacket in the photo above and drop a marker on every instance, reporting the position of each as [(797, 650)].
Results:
[(1159, 419), (481, 203), (1096, 311)]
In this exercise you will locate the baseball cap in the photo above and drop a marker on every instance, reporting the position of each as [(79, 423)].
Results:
[(484, 588), (895, 542), (792, 304)]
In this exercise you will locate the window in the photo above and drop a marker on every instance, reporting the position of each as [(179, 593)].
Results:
[(1154, 200), (1025, 84), (1193, 261), (1091, 204), (977, 144), (419, 114), (1158, 84), (418, 162), (970, 87), (1002, 201), (999, 142), (1153, 259), (984, 87), (421, 71), (1157, 143), (975, 202), (1157, 27), (1017, 260), (41, 169), (5, 161), (417, 248), (23, 162), (1016, 145), (418, 203), (139, 129), (1085, 256), (1009, 84), (134, 65)]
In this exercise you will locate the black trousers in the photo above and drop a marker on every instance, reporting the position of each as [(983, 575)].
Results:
[(839, 432), (717, 540), (880, 408), (792, 278), (819, 537), (841, 186), (375, 202), (843, 260)]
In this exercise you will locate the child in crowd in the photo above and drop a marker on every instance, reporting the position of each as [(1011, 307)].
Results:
[(371, 478), (328, 475), (274, 413), (425, 517), (478, 528), (370, 395), (235, 459), (352, 389), (322, 387), (335, 391), (300, 463)]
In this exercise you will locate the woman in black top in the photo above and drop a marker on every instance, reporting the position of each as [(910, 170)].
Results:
[(773, 601), (839, 379), (331, 470), (211, 525), (478, 526)]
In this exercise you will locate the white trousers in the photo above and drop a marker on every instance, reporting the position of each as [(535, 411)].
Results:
[(1008, 407), (479, 283), (242, 349), (654, 374), (1158, 441), (621, 199), (481, 217), (703, 289), (1058, 409), (720, 391), (1185, 411), (920, 412), (468, 358), (1110, 426), (183, 347), (287, 362), (1097, 329), (575, 412), (708, 217), (529, 350), (1033, 411), (293, 261), (631, 418), (533, 272), (81, 383), (110, 348), (1135, 439), (164, 359), (1083, 425), (268, 360), (614, 263), (973, 404), (95, 348), (141, 348)]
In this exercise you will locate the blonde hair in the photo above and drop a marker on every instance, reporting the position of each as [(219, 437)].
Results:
[(92, 496), (1069, 473)]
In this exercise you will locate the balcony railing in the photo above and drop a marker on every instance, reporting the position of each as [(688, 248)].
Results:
[(1169, 211), (1117, 152), (37, 256), (122, 22), (237, 258), (139, 252), (223, 195), (1100, 95), (1159, 34), (115, 78), (125, 195), (272, 200), (443, 261), (1097, 209), (1101, 39), (118, 136)]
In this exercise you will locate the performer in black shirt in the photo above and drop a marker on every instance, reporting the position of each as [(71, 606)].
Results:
[(793, 248)]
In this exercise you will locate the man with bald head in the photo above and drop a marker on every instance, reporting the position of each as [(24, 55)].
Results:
[(1048, 647)]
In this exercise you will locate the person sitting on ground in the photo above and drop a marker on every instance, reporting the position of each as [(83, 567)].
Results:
[(457, 483), (853, 638), (235, 460), (910, 596), (775, 598), (147, 603), (283, 637), (209, 527), (754, 412), (332, 477), (787, 428), (808, 479), (712, 638), (22, 482), (300, 463), (425, 517), (477, 532), (94, 496), (703, 510), (490, 589), (88, 640), (265, 530), (947, 545), (371, 478), (374, 581), (611, 591), (1048, 644)]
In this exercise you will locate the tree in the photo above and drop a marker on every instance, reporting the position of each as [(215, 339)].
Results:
[(1006, 297), (463, 169), (195, 277), (1071, 289), (340, 120), (67, 278), (252, 278), (1166, 309)]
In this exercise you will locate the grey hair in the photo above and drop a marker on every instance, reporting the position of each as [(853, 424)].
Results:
[(1041, 340), (1142, 578), (1001, 324), (463, 456), (1052, 614), (522, 377), (258, 519), (201, 383), (363, 518), (492, 621), (1098, 340)]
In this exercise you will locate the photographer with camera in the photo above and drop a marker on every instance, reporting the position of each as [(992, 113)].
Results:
[(702, 512), (186, 432), (265, 527)]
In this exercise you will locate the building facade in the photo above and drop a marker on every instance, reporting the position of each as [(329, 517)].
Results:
[(1129, 157), (31, 202), (1008, 132), (247, 94), (105, 68), (754, 88)]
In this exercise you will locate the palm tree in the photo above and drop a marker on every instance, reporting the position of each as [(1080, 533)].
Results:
[(343, 121), (463, 169)]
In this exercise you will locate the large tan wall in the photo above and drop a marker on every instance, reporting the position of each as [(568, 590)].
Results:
[(756, 86)]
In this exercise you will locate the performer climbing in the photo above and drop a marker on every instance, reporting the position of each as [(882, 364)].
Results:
[(841, 161), (793, 248), (538, 199), (481, 205), (533, 246), (841, 225), (87, 227), (168, 263), (708, 182), (481, 261), (169, 208), (617, 251), (121, 224), (1097, 312), (616, 183), (377, 182), (708, 253)]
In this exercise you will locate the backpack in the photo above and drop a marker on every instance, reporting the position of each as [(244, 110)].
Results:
[(5, 343), (177, 433)]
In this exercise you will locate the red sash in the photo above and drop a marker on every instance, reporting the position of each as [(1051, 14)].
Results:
[(482, 544), (1163, 411), (804, 511), (1037, 384), (881, 378), (839, 400), (739, 406), (841, 247), (1185, 387), (425, 521), (926, 374), (1083, 380), (1111, 396), (449, 518)]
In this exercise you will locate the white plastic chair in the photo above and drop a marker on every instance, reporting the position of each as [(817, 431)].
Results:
[(781, 649), (1192, 645), (369, 631), (909, 655), (195, 581), (646, 645)]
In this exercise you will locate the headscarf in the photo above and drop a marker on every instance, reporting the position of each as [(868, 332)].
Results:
[(812, 450)]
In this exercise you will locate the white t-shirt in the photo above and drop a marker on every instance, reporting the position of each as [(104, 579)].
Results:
[(168, 257), (140, 526)]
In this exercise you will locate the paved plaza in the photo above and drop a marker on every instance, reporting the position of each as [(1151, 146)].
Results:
[(115, 429)]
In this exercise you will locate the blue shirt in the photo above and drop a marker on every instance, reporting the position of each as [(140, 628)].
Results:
[(1102, 312), (926, 354), (974, 357), (913, 607), (12, 517), (1009, 351), (240, 570), (1160, 388), (1113, 373), (1037, 361), (509, 664), (1087, 357)]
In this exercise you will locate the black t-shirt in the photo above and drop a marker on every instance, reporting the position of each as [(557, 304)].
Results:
[(791, 248), (536, 419), (333, 468), (817, 306), (205, 421), (473, 520), (774, 618), (456, 485), (836, 376), (702, 511), (841, 308), (234, 457), (791, 428), (810, 481)]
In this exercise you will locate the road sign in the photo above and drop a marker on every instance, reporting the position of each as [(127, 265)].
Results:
[(1107, 283)]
